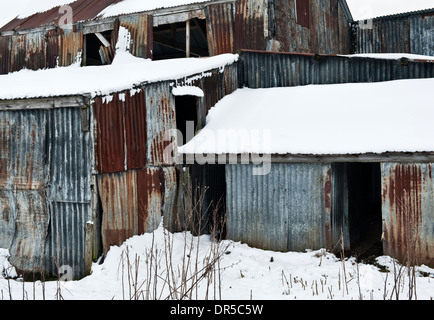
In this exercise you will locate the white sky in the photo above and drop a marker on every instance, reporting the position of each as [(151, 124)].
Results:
[(361, 9)]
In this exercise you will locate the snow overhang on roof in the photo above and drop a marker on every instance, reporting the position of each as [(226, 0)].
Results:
[(126, 72), (321, 120)]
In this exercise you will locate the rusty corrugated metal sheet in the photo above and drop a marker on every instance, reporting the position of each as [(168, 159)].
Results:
[(120, 132), (134, 201), (250, 25), (5, 55), (404, 33), (141, 30), (286, 210), (82, 10), (220, 28), (408, 212)]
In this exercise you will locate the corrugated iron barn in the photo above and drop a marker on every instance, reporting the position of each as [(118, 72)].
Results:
[(83, 169), (209, 27)]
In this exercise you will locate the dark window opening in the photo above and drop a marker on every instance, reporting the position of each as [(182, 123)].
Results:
[(98, 49), (303, 13), (186, 117), (170, 40), (364, 208)]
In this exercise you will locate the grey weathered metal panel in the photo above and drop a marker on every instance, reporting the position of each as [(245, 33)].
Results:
[(160, 118), (403, 33), (288, 209), (408, 212), (69, 195), (262, 69)]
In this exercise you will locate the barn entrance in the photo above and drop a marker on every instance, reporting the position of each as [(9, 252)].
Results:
[(364, 209), (357, 208)]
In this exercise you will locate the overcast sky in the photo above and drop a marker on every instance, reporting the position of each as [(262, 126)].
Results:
[(361, 9)]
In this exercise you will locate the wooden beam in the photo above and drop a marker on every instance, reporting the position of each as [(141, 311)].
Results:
[(102, 39), (188, 39), (45, 103)]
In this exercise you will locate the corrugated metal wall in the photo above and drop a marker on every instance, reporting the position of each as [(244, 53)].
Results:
[(261, 69), (288, 209), (408, 212), (45, 188), (407, 33), (220, 19)]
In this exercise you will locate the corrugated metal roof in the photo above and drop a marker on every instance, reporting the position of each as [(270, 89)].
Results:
[(82, 10)]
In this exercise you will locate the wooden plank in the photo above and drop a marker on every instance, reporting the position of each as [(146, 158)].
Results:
[(45, 103)]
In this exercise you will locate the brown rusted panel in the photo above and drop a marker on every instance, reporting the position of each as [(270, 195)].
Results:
[(140, 27), (303, 13), (71, 45), (135, 129), (408, 215), (109, 134), (249, 25), (220, 28), (35, 51), (18, 52), (118, 194), (53, 48), (4, 55)]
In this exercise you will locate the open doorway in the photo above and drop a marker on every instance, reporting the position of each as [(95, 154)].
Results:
[(186, 116), (98, 48), (364, 208)]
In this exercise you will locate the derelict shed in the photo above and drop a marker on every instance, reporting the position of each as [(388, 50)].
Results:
[(194, 28), (411, 32), (82, 161), (331, 176)]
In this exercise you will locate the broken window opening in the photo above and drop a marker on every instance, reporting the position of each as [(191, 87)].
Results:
[(180, 40), (98, 48)]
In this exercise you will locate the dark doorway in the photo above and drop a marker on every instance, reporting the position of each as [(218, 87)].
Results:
[(95, 50), (186, 116), (364, 208)]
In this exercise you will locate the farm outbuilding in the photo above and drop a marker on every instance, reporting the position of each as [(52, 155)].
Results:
[(82, 154), (86, 162), (311, 167)]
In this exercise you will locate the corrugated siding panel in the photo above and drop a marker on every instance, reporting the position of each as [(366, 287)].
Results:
[(69, 194), (120, 131), (266, 70), (141, 29), (18, 52), (160, 118), (220, 28), (285, 210), (250, 24), (71, 46), (408, 212), (45, 188), (4, 55), (133, 202), (403, 34)]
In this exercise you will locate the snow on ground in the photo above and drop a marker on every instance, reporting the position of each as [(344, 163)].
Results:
[(245, 273), (358, 118)]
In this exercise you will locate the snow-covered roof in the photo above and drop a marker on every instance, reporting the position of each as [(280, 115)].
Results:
[(395, 116), (126, 72), (392, 56)]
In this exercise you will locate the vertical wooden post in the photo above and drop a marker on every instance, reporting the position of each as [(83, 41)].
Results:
[(187, 36)]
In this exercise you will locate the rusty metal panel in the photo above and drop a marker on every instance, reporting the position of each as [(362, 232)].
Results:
[(408, 212), (286, 210), (220, 28), (141, 29), (4, 55), (134, 202), (109, 134), (303, 13), (160, 118), (35, 51), (120, 132), (251, 24), (71, 46), (18, 52), (82, 10)]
